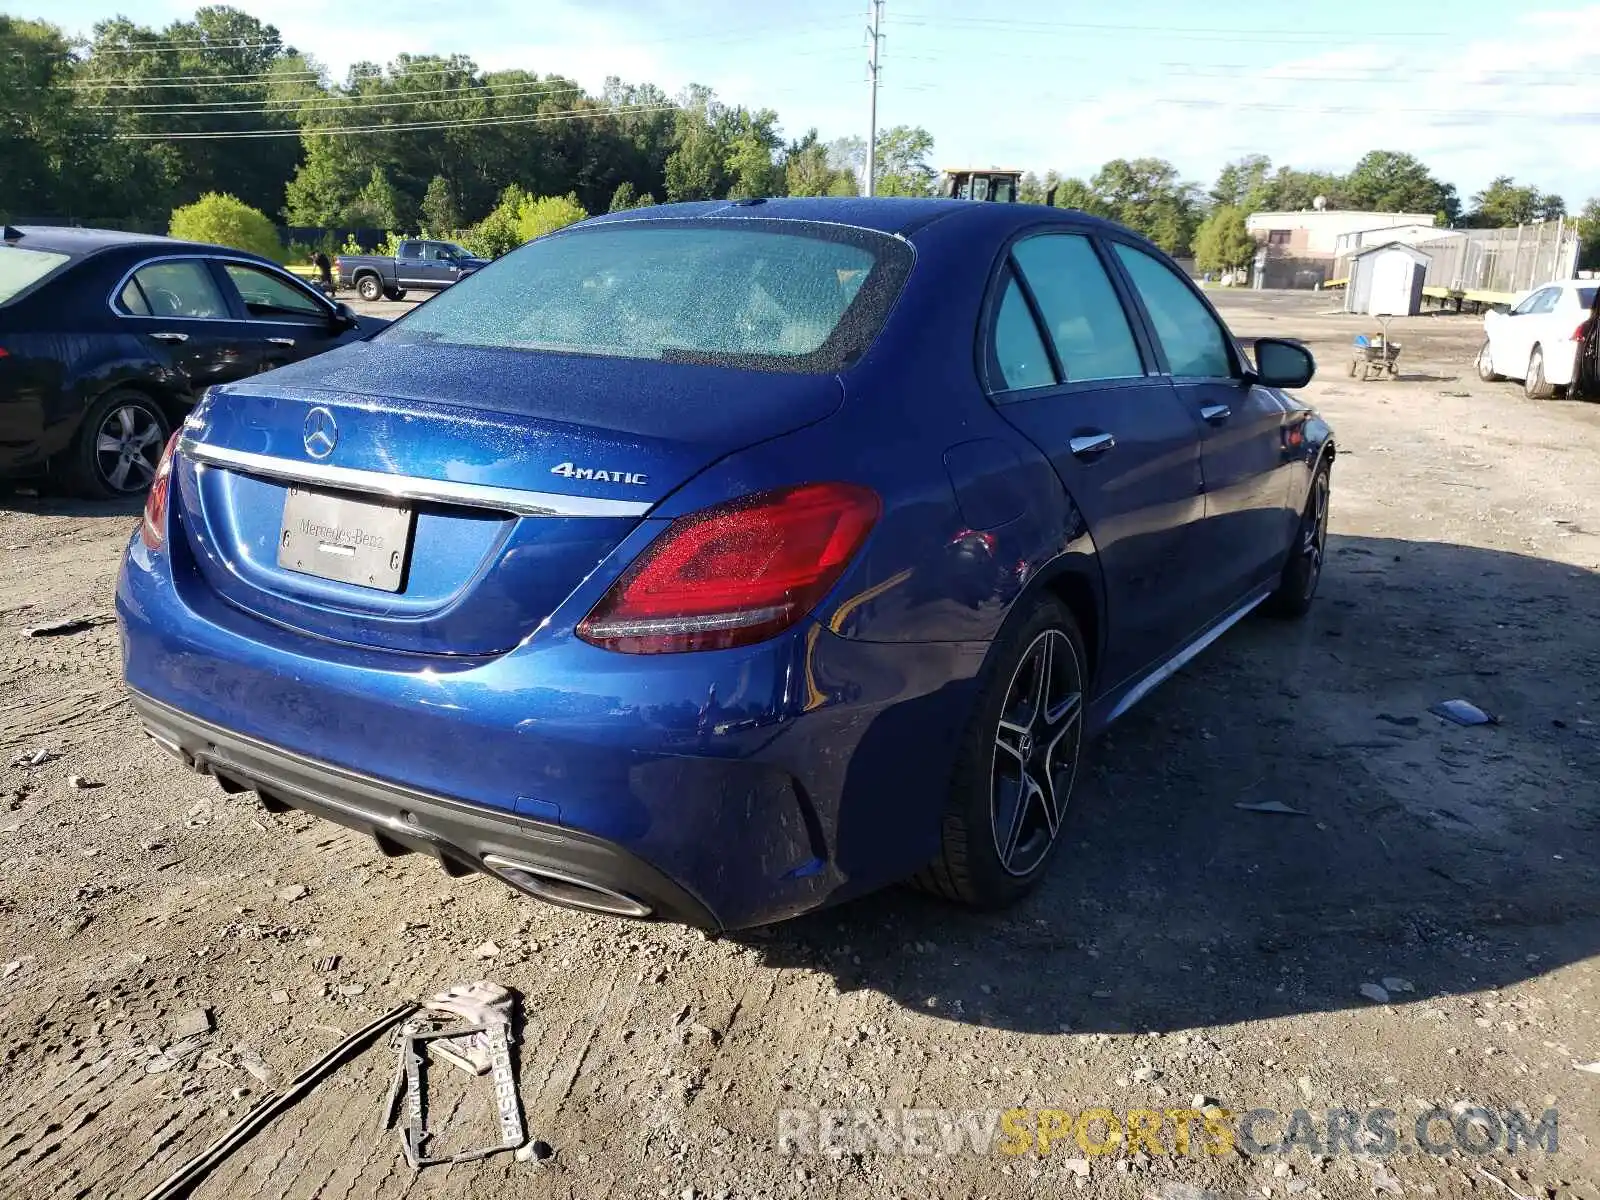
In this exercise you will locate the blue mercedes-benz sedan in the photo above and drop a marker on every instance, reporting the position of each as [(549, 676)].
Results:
[(720, 561)]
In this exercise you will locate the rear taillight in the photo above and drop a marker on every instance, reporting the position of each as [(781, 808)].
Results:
[(153, 528), (1577, 334), (735, 573)]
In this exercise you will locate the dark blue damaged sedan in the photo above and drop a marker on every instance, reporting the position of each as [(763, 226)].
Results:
[(721, 561)]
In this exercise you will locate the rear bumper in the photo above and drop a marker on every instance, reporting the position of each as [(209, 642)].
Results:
[(1561, 363), (725, 789), (563, 866)]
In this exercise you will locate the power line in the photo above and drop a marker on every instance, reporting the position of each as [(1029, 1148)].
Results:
[(335, 102), (1208, 31), (597, 113)]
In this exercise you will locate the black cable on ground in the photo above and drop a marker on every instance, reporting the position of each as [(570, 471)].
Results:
[(198, 1167)]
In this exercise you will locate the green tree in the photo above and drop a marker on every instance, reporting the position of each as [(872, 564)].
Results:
[(546, 214), (1391, 181), (1244, 183), (903, 168), (42, 134), (1290, 190), (1146, 195), (377, 204), (439, 209), (623, 198), (751, 140), (225, 220), (808, 171), (1588, 225), (1075, 193), (1031, 189), (1222, 243), (1503, 204), (501, 230)]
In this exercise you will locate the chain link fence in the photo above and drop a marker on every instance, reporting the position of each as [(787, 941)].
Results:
[(1502, 260)]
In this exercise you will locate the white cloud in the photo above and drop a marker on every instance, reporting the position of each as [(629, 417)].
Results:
[(1524, 105)]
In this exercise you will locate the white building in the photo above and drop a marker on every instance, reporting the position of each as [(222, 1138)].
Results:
[(1299, 249)]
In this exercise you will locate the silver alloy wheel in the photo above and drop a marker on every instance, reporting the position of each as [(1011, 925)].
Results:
[(127, 448), (368, 287), (1314, 531), (1486, 363), (1036, 752)]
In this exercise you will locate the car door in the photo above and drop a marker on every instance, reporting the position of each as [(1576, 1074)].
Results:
[(1070, 371), (178, 308), (410, 266), (1245, 460), (288, 321), (1516, 335)]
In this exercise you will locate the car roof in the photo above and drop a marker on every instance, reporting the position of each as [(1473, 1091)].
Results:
[(891, 215), (80, 241)]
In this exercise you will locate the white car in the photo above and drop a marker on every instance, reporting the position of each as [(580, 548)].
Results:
[(1537, 341)]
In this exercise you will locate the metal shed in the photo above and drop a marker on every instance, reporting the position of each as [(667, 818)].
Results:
[(1386, 280)]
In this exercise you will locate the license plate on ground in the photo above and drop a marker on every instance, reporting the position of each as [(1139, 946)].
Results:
[(353, 539)]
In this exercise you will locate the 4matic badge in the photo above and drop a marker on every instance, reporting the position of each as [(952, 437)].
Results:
[(567, 471)]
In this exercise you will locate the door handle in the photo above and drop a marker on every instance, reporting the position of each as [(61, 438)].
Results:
[(168, 336), (276, 341), (1092, 445), (1216, 414)]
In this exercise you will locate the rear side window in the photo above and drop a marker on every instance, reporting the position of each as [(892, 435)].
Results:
[(1080, 308), (1019, 353), (1586, 297), (1195, 343), (181, 288), (266, 295), (21, 269), (760, 294)]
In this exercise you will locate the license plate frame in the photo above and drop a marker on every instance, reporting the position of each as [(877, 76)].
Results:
[(346, 537)]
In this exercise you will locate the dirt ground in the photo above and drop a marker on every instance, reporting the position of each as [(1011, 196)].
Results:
[(1183, 948)]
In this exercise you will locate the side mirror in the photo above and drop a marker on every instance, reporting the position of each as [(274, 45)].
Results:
[(345, 316), (1282, 363)]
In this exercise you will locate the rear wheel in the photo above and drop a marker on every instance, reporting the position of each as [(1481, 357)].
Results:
[(1297, 586), (1536, 386), (117, 447), (1016, 765), (369, 287), (1486, 371)]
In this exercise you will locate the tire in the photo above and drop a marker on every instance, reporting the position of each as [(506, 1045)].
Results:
[(1536, 386), (117, 446), (992, 854), (1297, 585), (369, 287), (1486, 371)]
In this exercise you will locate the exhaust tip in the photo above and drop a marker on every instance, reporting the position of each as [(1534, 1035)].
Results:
[(567, 890)]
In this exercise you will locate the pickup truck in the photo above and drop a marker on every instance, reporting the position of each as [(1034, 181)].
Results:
[(432, 266)]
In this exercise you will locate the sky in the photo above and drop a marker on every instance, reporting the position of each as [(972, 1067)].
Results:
[(1490, 88)]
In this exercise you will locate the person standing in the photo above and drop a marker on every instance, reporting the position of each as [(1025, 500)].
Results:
[(325, 270)]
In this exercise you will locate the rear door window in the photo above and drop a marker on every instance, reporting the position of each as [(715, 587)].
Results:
[(1018, 359), (21, 269), (269, 297), (1080, 308), (1195, 342), (180, 288), (752, 293)]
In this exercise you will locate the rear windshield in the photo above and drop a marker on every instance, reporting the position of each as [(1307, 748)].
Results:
[(758, 294), (21, 269), (1586, 297)]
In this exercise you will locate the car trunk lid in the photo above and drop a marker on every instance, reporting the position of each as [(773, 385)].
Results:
[(500, 477)]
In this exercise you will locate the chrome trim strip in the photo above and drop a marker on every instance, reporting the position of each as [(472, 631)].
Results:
[(1183, 657), (411, 487)]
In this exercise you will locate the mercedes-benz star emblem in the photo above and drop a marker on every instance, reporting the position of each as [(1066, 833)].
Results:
[(321, 433)]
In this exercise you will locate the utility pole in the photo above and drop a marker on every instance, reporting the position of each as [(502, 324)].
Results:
[(875, 36)]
